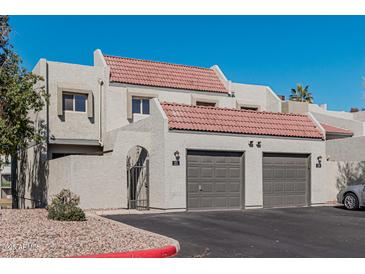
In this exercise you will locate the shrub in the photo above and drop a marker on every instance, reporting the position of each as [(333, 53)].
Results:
[(64, 207)]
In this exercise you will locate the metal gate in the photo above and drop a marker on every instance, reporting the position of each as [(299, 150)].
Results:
[(138, 185)]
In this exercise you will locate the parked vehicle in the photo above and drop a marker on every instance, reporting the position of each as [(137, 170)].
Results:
[(352, 197)]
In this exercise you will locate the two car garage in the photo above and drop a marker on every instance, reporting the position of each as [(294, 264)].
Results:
[(215, 180)]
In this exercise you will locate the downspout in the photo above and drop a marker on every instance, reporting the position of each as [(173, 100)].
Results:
[(47, 110), (101, 83)]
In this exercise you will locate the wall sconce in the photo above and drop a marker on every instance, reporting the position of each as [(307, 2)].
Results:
[(176, 162), (258, 144), (250, 143), (319, 162), (177, 155)]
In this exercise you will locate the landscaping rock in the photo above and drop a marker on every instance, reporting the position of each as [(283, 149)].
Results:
[(28, 233)]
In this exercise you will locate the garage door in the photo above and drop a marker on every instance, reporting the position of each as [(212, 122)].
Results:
[(214, 180), (285, 180)]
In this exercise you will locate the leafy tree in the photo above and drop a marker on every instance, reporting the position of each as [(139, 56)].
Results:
[(19, 97), (301, 94)]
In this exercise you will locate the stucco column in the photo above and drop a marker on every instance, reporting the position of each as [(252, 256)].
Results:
[(253, 178)]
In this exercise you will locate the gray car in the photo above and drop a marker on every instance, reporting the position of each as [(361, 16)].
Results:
[(352, 197)]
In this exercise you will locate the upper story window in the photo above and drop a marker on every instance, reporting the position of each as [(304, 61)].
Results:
[(140, 105), (250, 108), (74, 102), (205, 104)]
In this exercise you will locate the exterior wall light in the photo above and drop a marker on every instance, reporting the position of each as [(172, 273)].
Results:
[(250, 143), (177, 155), (319, 162), (176, 162), (258, 144)]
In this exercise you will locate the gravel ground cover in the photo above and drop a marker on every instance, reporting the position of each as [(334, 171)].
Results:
[(28, 233)]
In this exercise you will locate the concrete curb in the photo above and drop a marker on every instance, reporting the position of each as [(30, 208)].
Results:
[(164, 252)]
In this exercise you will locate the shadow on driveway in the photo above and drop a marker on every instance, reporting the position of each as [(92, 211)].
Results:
[(291, 232)]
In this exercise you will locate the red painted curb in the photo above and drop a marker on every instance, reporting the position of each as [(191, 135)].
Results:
[(164, 252)]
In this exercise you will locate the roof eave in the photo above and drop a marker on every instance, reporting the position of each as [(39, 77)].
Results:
[(245, 134), (153, 86)]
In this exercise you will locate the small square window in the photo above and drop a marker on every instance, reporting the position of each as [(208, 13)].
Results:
[(141, 105), (205, 104), (249, 108), (74, 102)]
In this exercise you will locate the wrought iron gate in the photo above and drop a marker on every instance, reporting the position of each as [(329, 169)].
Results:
[(138, 186)]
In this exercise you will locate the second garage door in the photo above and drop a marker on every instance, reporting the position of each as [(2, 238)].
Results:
[(214, 180), (285, 180)]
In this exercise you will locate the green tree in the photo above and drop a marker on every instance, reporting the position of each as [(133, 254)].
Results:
[(20, 96), (301, 94)]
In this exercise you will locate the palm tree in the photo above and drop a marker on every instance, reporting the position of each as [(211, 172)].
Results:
[(301, 94)]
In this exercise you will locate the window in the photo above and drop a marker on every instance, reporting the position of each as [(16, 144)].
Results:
[(205, 104), (5, 180), (60, 155), (140, 105), (74, 102), (250, 108)]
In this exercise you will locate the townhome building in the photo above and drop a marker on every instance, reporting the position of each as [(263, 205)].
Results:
[(138, 134)]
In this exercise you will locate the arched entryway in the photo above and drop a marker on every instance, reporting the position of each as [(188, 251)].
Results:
[(138, 178)]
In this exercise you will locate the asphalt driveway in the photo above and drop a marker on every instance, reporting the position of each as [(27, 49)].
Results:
[(292, 232)]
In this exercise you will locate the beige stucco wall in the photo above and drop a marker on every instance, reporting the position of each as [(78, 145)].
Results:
[(347, 149), (102, 183), (343, 173), (359, 116), (73, 77), (253, 163), (295, 107), (261, 96), (73, 125), (357, 127), (117, 98), (338, 114)]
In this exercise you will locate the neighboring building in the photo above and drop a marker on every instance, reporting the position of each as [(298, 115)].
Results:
[(129, 133), (346, 124), (5, 183)]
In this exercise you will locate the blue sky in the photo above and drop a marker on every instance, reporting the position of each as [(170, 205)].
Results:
[(325, 52)]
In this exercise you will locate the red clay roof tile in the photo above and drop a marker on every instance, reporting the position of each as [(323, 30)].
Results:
[(213, 119), (159, 74), (332, 129)]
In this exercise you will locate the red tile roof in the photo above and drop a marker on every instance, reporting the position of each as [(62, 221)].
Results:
[(213, 119), (332, 129), (159, 74)]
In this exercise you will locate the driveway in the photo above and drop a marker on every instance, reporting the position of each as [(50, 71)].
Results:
[(292, 232)]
